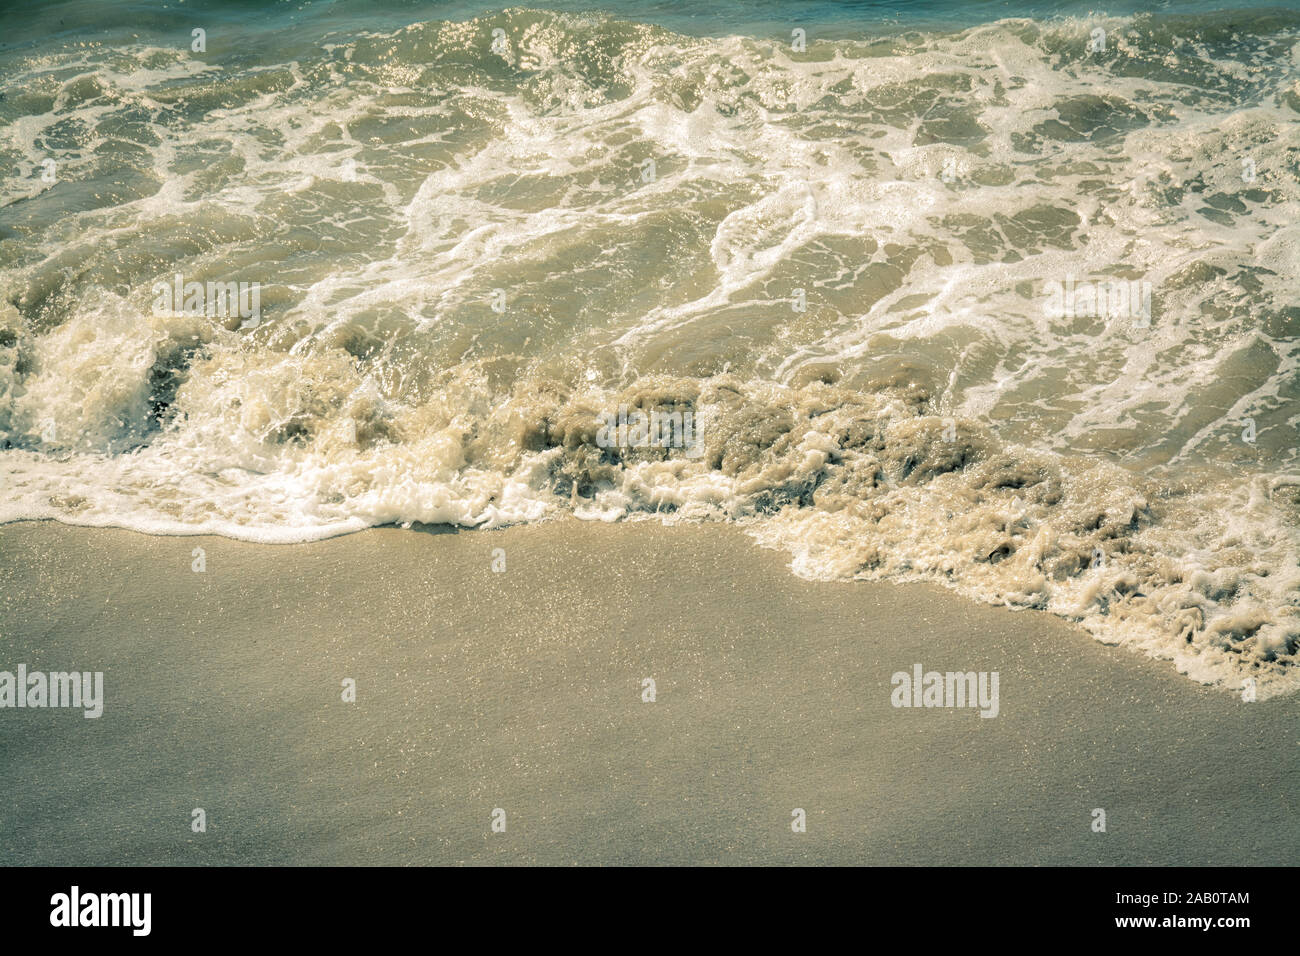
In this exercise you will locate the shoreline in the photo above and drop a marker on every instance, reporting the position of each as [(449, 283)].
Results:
[(522, 690)]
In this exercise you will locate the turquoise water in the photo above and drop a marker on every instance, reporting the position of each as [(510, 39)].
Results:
[(759, 18)]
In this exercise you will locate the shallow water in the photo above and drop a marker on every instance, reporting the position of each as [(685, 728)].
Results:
[(864, 272)]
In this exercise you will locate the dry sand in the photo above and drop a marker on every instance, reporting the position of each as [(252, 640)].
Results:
[(522, 691)]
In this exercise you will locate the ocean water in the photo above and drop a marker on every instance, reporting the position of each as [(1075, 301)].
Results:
[(1004, 296)]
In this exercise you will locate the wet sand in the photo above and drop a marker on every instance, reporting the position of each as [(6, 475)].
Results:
[(522, 690)]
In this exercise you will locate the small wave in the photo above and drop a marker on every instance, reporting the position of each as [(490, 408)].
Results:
[(869, 271)]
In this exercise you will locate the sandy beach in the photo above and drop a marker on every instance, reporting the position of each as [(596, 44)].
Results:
[(522, 690)]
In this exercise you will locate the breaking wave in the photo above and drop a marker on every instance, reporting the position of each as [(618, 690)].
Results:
[(837, 261)]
